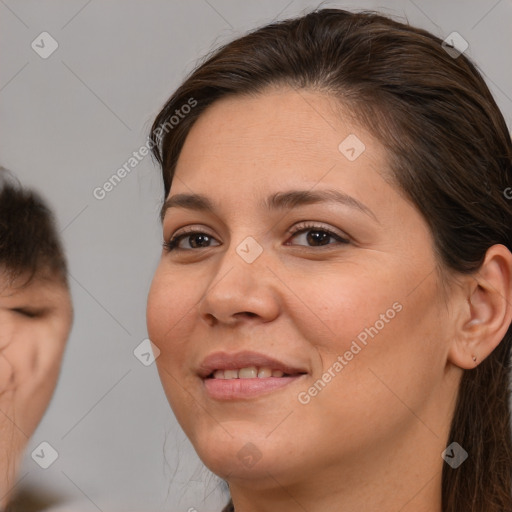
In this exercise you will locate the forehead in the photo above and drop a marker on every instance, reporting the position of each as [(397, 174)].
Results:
[(278, 125), (41, 288), (244, 147)]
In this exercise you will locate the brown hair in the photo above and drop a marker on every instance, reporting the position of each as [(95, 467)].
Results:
[(449, 151), (29, 241)]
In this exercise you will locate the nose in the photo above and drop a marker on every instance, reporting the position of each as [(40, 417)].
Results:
[(240, 291)]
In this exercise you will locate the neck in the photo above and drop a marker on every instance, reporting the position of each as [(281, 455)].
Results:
[(406, 479), (423, 496)]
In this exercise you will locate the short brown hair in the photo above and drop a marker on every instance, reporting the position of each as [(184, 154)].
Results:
[(29, 241)]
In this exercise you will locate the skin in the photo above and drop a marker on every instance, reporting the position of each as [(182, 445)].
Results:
[(35, 323), (372, 438)]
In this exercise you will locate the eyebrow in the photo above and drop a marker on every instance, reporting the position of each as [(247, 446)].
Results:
[(278, 201)]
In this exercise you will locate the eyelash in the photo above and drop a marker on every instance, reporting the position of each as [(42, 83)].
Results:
[(172, 244)]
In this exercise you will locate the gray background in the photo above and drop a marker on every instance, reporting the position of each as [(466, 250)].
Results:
[(68, 123)]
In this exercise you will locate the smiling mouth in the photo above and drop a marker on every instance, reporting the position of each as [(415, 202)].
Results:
[(246, 383), (250, 372), (246, 374)]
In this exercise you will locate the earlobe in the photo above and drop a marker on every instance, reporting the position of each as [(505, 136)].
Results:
[(487, 313)]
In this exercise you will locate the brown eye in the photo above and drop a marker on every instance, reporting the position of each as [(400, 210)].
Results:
[(195, 239), (317, 235)]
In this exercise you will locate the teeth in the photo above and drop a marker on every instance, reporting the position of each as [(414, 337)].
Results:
[(263, 373), (231, 374), (250, 372)]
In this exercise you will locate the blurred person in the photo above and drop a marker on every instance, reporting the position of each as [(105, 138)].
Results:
[(35, 321)]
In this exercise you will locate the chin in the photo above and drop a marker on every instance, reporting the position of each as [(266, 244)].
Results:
[(247, 456), (229, 466)]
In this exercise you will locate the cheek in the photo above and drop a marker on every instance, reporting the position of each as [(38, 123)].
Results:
[(170, 305), (385, 359), (171, 315), (36, 354), (341, 307), (6, 374), (33, 357)]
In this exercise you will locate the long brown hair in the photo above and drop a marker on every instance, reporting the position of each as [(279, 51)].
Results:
[(449, 150)]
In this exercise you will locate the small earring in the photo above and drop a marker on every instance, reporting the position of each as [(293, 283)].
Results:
[(474, 359)]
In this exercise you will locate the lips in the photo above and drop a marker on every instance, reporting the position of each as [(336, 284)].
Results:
[(245, 375), (247, 365)]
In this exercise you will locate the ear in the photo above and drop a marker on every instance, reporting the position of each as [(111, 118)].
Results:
[(487, 312)]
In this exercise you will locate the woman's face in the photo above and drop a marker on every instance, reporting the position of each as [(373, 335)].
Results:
[(303, 260)]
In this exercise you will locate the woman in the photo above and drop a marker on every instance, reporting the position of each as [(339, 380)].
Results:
[(35, 321), (334, 297)]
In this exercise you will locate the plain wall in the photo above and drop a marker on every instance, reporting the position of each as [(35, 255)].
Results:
[(68, 122)]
